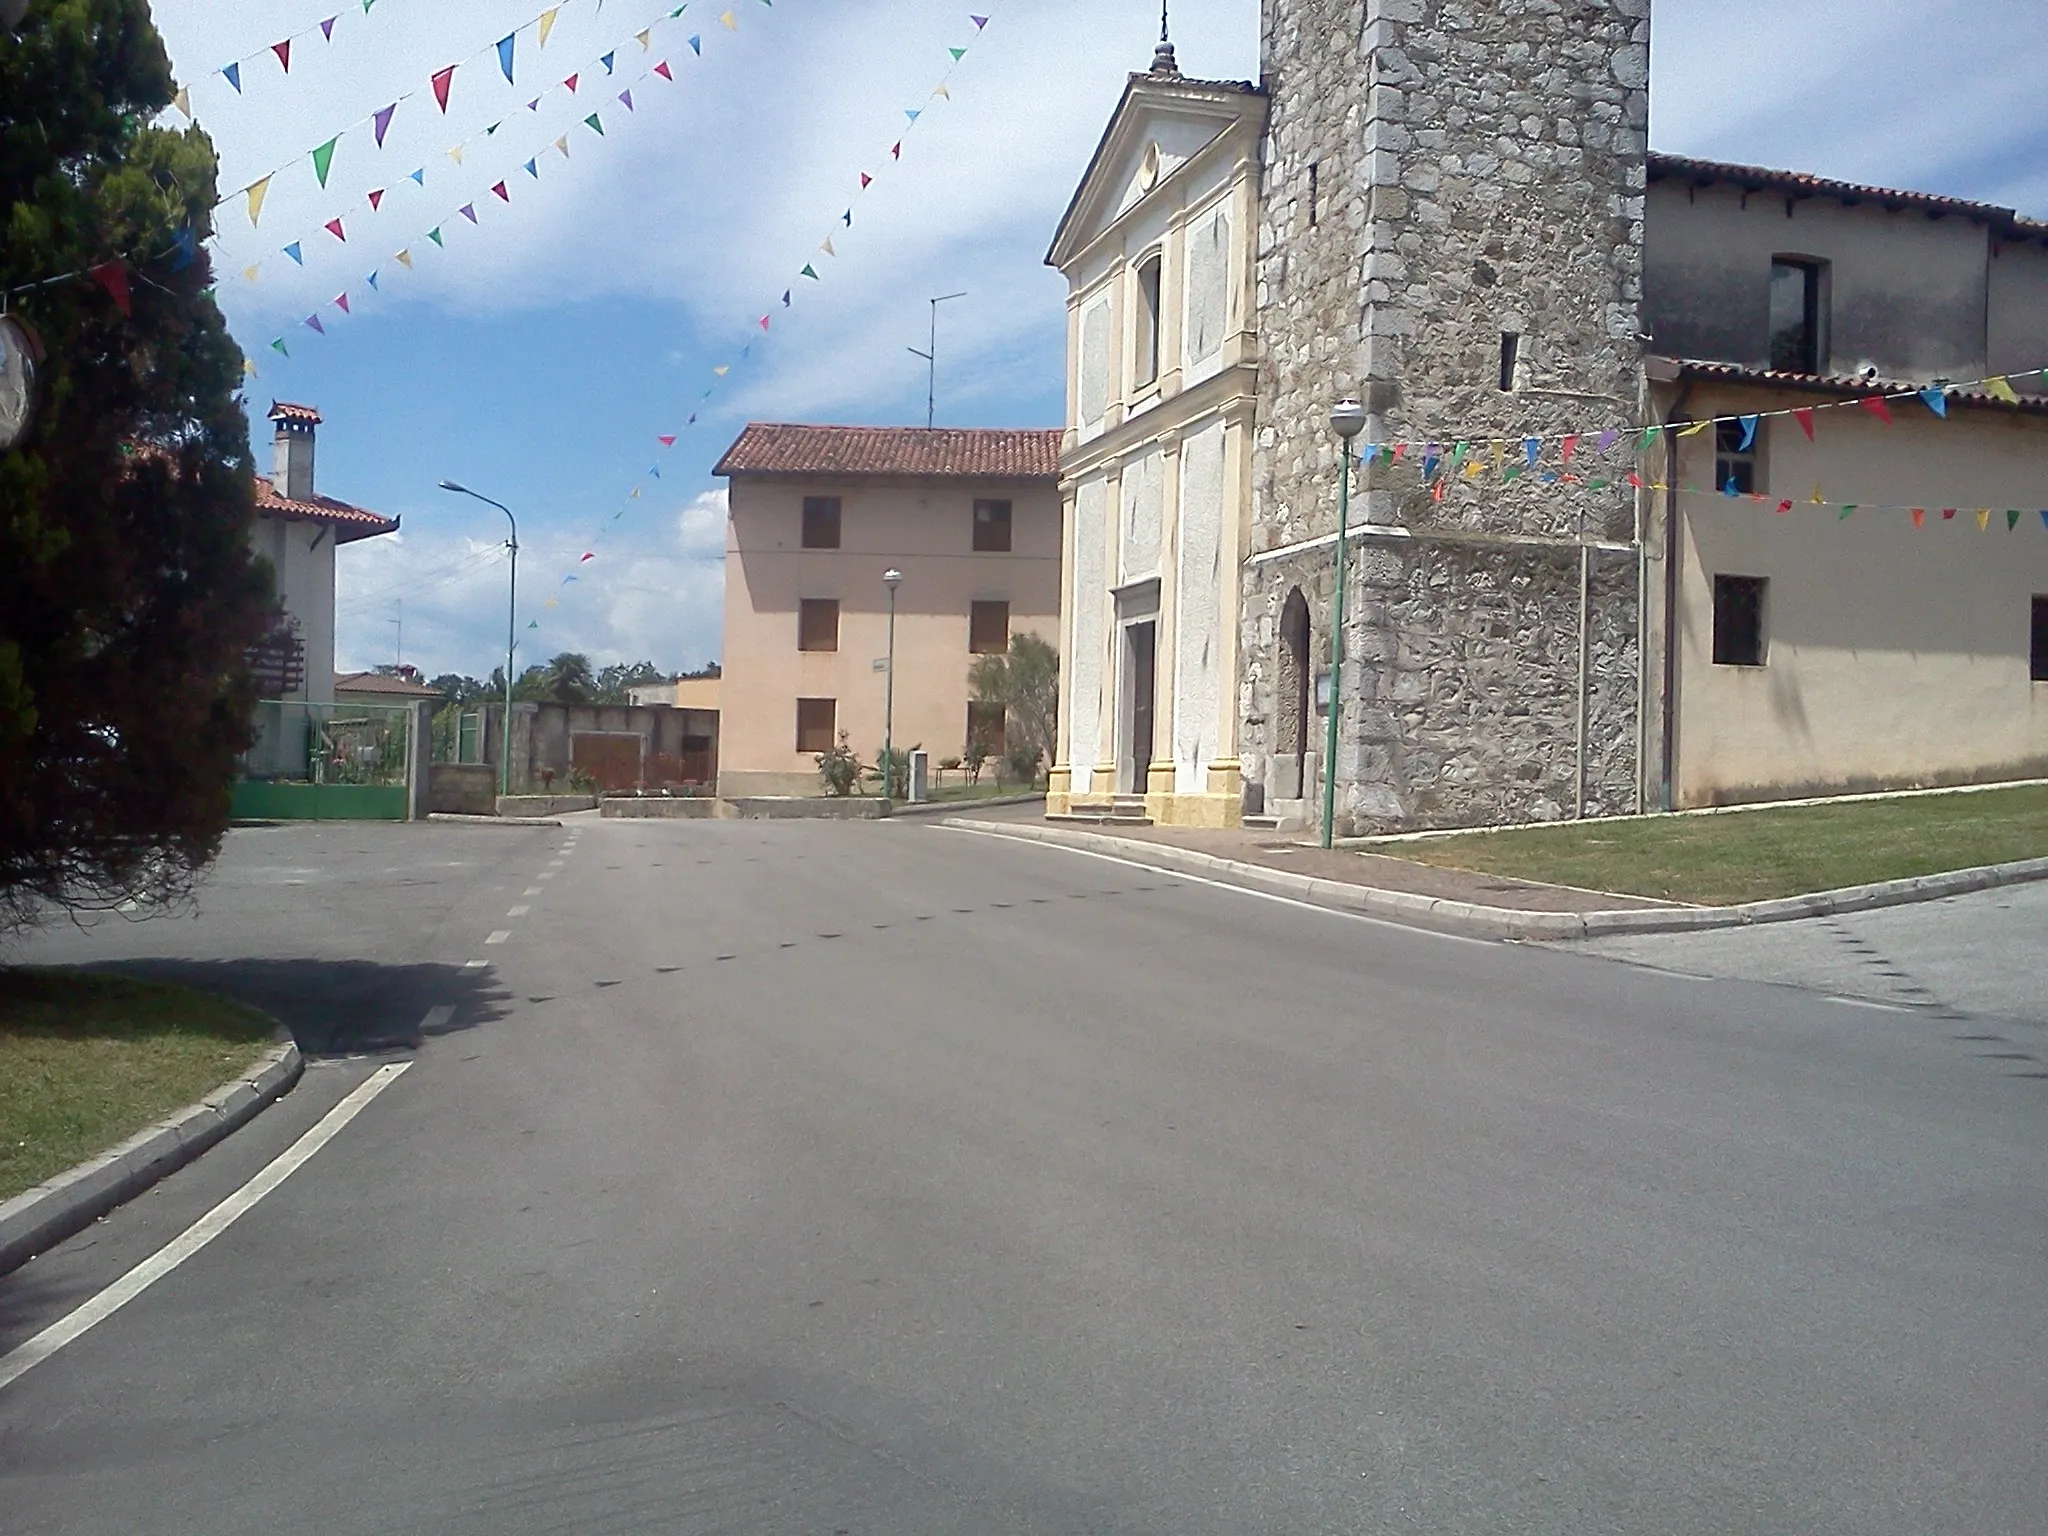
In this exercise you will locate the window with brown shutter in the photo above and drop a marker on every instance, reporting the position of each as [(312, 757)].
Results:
[(988, 629), (817, 722), (817, 624), (821, 522), (991, 527)]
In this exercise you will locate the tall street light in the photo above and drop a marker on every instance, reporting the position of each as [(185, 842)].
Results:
[(892, 579), (931, 392), (511, 629), (1347, 419)]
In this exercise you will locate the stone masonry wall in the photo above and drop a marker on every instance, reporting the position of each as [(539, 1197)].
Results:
[(1479, 169)]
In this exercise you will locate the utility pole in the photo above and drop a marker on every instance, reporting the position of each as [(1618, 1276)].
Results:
[(398, 658), (931, 392)]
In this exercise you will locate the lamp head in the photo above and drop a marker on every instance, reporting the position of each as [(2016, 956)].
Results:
[(1347, 419), (892, 578), (450, 485)]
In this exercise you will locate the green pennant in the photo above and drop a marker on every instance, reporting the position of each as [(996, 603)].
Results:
[(1597, 485), (278, 345), (1851, 507), (1650, 436), (809, 271), (592, 120), (323, 159), (434, 235), (958, 54), (1509, 472), (1458, 454)]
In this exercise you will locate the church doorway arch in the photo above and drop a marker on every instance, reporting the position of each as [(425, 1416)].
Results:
[(1290, 757)]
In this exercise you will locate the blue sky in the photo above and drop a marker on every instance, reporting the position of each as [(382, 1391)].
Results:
[(540, 353)]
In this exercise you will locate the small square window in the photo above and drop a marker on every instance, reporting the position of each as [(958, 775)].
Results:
[(817, 722), (1735, 465), (817, 624), (988, 629), (2038, 665), (1739, 620), (821, 522), (985, 723), (991, 527)]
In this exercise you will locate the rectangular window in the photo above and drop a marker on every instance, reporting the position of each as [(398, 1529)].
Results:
[(821, 522), (1510, 359), (817, 624), (817, 724), (1315, 195), (991, 527), (1734, 464), (985, 724), (1739, 620), (1798, 315), (2038, 669), (1148, 324), (988, 629)]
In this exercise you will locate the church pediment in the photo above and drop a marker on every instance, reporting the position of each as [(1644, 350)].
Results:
[(1162, 123)]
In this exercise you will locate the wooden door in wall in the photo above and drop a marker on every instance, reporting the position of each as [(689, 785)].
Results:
[(1139, 638), (613, 758)]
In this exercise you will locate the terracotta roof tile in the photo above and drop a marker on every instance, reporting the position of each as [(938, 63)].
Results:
[(980, 453), (349, 523), (284, 410), (377, 682), (1838, 384), (1760, 178)]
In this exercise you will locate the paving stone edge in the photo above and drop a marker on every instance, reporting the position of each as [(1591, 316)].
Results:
[(1475, 920), (36, 1220)]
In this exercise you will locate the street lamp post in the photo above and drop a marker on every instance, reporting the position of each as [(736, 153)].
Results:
[(511, 630), (1347, 419), (892, 579)]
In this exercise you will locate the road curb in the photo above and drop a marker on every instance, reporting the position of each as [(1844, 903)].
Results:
[(495, 821), (1474, 920), (940, 807), (36, 1220)]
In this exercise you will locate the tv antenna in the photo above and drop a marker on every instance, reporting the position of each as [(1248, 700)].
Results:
[(931, 392)]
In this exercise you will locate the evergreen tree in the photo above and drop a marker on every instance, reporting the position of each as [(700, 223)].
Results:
[(129, 598)]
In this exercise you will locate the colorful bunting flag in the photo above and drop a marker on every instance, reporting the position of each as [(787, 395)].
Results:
[(1875, 404), (327, 28), (468, 211), (2001, 389), (533, 169), (341, 303), (626, 97), (372, 280), (667, 439), (1936, 400), (1749, 426), (2012, 521), (257, 191), (661, 69), (502, 195), (376, 199), (333, 227), (571, 83), (314, 322), (113, 276), (405, 259), (283, 51), (728, 22), (506, 45), (420, 176), (183, 102), (279, 346), (443, 79), (434, 235), (547, 23), (646, 38), (233, 73), (293, 251), (1804, 416), (1983, 518), (606, 61), (696, 45)]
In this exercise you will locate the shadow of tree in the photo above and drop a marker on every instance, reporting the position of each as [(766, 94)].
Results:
[(335, 1007)]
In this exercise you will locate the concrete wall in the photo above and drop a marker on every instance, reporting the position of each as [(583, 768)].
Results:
[(1907, 291), (926, 529), (1896, 656), (1481, 170), (2017, 316), (543, 737), (462, 789)]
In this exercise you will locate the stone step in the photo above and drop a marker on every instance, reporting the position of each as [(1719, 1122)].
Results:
[(1103, 816)]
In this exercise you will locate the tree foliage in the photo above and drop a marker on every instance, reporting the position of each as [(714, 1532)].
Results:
[(1026, 682), (616, 682), (129, 598)]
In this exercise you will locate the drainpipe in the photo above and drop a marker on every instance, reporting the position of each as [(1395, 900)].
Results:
[(1585, 627), (1670, 722)]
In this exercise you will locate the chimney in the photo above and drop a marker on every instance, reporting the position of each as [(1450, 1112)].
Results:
[(294, 472)]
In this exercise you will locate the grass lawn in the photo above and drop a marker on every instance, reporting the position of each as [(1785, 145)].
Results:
[(987, 789), (87, 1060), (1755, 855)]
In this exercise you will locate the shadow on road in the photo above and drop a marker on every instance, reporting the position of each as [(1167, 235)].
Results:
[(334, 1007)]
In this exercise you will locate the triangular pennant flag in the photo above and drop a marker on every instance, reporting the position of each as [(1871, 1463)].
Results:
[(2001, 389), (468, 211), (1936, 400), (547, 23), (279, 346), (257, 190), (696, 45), (183, 102), (1948, 514), (827, 247), (327, 28), (626, 97), (455, 154), (979, 22), (283, 51), (333, 227), (185, 245), (692, 421), (434, 235), (1731, 490), (646, 37), (848, 216), (405, 259), (1784, 506), (785, 297), (249, 368), (764, 322), (1803, 414), (371, 279), (1983, 518), (1532, 449), (443, 79), (381, 124), (1851, 507), (250, 273), (1650, 436), (293, 251), (533, 623), (896, 150), (233, 73), (113, 276), (722, 369), (606, 61), (503, 195), (314, 322), (1570, 446), (2012, 521), (420, 176), (571, 83), (1919, 517), (667, 439), (866, 181), (588, 556), (506, 46), (1749, 426), (636, 494), (341, 303), (958, 54), (661, 69), (595, 123), (376, 199), (533, 169), (2044, 517), (654, 470), (809, 271), (728, 23), (1696, 428), (563, 145), (940, 90), (912, 112), (533, 105), (1875, 404), (1816, 498)]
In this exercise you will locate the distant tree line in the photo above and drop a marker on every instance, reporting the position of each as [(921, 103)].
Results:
[(567, 679)]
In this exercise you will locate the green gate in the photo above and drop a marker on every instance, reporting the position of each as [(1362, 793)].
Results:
[(326, 762)]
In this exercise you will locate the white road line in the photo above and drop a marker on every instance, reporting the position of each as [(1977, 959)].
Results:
[(517, 911), (1864, 1002), (474, 965), (437, 1015), (554, 863), (195, 1237), (1241, 890), (500, 936), (547, 874), (531, 890)]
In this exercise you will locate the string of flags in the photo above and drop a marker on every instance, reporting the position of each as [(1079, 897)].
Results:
[(281, 50), (762, 326)]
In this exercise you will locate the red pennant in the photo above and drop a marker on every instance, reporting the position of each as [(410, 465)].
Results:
[(667, 439), (896, 150), (866, 181), (1804, 416), (1948, 514), (661, 69), (1919, 516), (334, 229), (1784, 507), (376, 199), (342, 304), (571, 83), (1571, 443), (503, 195), (441, 83), (764, 322), (1436, 492), (283, 51), (1876, 406), (1635, 480), (588, 555), (113, 276)]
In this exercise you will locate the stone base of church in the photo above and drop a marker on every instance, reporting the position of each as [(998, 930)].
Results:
[(1220, 806)]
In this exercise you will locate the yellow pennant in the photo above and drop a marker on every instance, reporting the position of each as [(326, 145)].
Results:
[(183, 102), (547, 24), (249, 368), (727, 22), (250, 272), (455, 154), (646, 39), (827, 247), (1816, 498), (636, 494), (563, 145), (405, 259), (258, 190), (1498, 450), (722, 369), (553, 602), (1698, 426), (2001, 389), (1983, 518), (1474, 470), (942, 91)]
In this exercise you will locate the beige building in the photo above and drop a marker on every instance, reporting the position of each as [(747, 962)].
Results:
[(1155, 487), (817, 514)]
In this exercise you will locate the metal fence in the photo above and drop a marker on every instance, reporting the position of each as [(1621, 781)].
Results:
[(322, 762)]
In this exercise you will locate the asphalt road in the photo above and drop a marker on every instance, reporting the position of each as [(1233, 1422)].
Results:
[(886, 1179)]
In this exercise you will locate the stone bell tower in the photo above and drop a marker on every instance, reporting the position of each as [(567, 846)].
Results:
[(1453, 233)]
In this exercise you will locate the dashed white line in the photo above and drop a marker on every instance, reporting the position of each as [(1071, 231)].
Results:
[(474, 965), (1864, 1002), (547, 874), (531, 890), (519, 911), (437, 1015), (195, 1237), (500, 936)]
